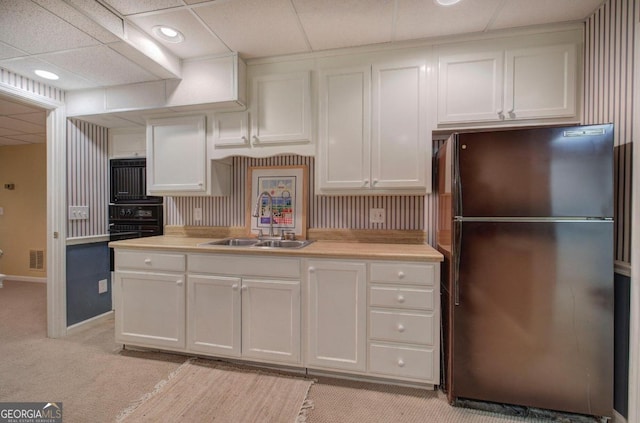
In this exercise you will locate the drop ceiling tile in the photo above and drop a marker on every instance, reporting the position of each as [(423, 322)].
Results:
[(8, 52), (99, 64), (19, 126), (423, 18), (255, 28), (30, 138), (8, 107), (8, 141), (198, 41), (26, 65), (517, 13), (29, 27), (345, 23), (109, 23), (128, 7), (37, 118)]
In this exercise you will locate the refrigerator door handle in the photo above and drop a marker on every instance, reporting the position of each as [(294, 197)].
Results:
[(457, 230), (457, 186)]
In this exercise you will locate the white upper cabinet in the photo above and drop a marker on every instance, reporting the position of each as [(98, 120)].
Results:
[(127, 142), (278, 120), (177, 162), (495, 85), (373, 131)]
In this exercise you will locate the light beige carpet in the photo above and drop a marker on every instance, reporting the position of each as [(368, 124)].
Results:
[(205, 391)]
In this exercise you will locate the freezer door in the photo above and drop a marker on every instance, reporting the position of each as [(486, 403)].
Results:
[(534, 324), (562, 172)]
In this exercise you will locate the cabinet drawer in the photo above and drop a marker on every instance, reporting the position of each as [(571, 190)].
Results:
[(406, 273), (145, 260), (414, 298), (227, 264), (397, 360), (415, 328)]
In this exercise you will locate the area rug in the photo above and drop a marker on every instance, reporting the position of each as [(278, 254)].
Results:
[(208, 391)]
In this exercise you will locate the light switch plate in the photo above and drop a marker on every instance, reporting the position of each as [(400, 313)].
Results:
[(102, 286), (197, 214), (78, 212)]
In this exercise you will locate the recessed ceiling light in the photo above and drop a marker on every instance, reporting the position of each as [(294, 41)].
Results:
[(168, 34), (46, 74), (446, 2)]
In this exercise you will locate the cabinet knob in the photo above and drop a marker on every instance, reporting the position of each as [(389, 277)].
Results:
[(400, 327), (179, 282), (375, 181), (401, 275), (200, 183), (500, 113), (400, 298), (147, 261), (366, 182), (234, 286), (245, 287), (400, 362), (312, 269), (255, 139), (243, 138)]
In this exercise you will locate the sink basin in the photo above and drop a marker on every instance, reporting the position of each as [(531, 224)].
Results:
[(233, 242), (282, 243)]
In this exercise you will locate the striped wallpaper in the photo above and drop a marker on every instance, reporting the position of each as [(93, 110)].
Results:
[(608, 97), (87, 177), (339, 212), (29, 85)]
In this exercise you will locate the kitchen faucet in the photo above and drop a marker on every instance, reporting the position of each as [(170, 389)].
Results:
[(256, 212)]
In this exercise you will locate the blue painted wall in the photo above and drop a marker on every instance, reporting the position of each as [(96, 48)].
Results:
[(622, 286), (86, 265)]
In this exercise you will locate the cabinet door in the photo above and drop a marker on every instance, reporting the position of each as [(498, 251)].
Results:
[(150, 309), (345, 145), (231, 130), (399, 126), (127, 142), (271, 320), (541, 82), (214, 313), (470, 87), (281, 108), (337, 333), (177, 156)]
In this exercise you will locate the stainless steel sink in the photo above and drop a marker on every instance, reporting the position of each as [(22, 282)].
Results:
[(283, 243), (232, 242), (253, 242)]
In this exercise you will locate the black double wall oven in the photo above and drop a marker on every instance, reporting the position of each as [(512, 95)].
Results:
[(132, 213)]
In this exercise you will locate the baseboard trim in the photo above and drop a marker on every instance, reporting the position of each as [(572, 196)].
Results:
[(94, 321), (24, 278)]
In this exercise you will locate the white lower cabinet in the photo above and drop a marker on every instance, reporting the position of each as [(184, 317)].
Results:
[(371, 318), (150, 304), (214, 315), (404, 321), (337, 307), (233, 312)]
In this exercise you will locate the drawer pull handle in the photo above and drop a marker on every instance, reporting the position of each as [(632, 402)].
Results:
[(401, 299), (147, 261), (400, 327), (401, 274), (400, 362)]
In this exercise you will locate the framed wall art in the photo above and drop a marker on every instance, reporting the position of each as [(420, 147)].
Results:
[(286, 188)]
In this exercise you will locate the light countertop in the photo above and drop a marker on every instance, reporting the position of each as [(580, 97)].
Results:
[(321, 248)]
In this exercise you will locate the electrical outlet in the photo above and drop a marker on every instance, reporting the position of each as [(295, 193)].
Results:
[(376, 216), (102, 286), (197, 214)]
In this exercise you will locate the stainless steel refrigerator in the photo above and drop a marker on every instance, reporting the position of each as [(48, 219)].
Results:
[(526, 226)]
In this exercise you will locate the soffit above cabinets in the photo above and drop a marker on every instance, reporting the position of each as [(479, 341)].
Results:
[(97, 43)]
